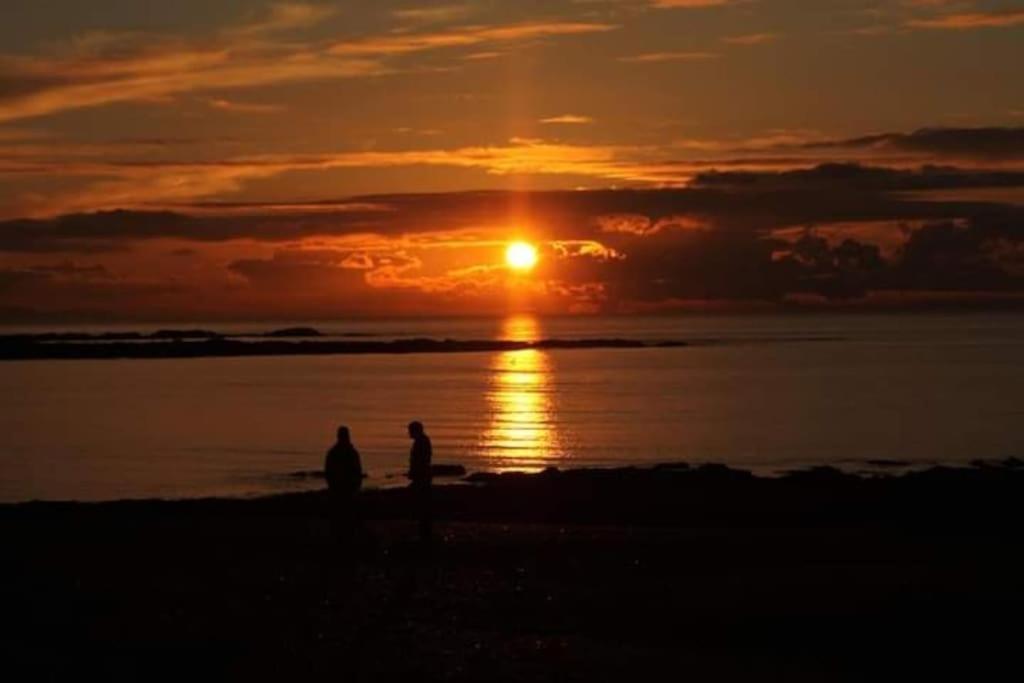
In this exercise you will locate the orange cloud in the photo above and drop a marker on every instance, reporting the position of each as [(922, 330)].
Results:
[(689, 4), (654, 57), (167, 68), (568, 119), (628, 223), (589, 248), (751, 39), (245, 107), (126, 174), (287, 16), (149, 183), (433, 15), (643, 226), (971, 20), (104, 68), (388, 45), (834, 233), (459, 280)]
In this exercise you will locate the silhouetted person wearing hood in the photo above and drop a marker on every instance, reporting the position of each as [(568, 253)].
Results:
[(344, 473), (420, 475)]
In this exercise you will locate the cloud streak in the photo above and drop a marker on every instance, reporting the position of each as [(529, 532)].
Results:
[(970, 20), (403, 44), (286, 16), (689, 4), (658, 57), (751, 39), (103, 69), (433, 15), (961, 143), (569, 119), (139, 181)]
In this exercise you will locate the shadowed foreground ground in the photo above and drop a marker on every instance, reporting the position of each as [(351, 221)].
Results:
[(628, 575)]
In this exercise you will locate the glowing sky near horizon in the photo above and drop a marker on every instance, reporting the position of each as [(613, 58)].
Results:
[(316, 158)]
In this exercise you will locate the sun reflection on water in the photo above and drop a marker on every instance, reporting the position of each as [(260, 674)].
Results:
[(522, 432)]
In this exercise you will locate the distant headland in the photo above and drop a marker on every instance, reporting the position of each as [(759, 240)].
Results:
[(293, 341)]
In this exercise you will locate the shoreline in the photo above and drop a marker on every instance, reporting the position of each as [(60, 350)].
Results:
[(21, 349), (582, 575), (661, 494)]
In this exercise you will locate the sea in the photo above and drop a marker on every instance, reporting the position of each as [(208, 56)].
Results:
[(767, 393)]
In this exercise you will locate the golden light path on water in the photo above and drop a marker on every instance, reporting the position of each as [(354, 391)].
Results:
[(522, 433)]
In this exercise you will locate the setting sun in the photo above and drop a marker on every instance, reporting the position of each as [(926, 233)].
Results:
[(521, 256)]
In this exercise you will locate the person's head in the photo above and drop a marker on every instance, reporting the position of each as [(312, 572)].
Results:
[(415, 429), (343, 435)]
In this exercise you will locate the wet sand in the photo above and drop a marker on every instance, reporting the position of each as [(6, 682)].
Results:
[(707, 574)]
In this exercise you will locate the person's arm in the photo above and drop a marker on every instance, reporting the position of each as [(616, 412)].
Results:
[(329, 467), (357, 470)]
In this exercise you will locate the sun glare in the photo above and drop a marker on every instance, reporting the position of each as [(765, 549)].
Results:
[(521, 256)]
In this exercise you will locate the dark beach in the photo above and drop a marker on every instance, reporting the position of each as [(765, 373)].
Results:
[(633, 574)]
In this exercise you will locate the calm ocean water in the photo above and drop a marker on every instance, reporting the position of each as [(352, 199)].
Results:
[(768, 393)]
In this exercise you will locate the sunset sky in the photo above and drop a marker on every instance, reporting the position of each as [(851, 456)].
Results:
[(244, 159)]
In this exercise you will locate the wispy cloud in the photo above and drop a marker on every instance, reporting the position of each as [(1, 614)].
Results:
[(286, 16), (245, 107), (151, 77), (21, 135), (480, 56), (655, 57), (401, 44), (689, 4), (751, 39), (101, 69), (101, 181), (142, 183), (408, 130), (875, 30), (991, 144), (433, 15), (568, 119), (970, 20)]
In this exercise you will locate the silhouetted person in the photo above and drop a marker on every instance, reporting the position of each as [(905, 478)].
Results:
[(421, 477), (344, 473)]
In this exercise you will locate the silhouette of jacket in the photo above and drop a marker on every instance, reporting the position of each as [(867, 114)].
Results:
[(419, 460), (343, 469)]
